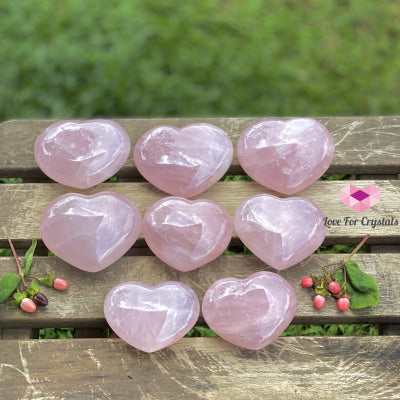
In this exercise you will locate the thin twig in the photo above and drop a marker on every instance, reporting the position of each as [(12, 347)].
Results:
[(356, 249), (21, 272), (344, 278), (343, 263)]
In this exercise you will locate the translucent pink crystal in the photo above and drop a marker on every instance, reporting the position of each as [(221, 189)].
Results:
[(151, 317), (184, 162), (90, 232), (252, 312), (187, 234), (286, 156), (281, 232), (82, 154)]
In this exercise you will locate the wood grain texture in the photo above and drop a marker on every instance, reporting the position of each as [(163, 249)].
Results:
[(363, 144), (18, 334), (23, 204), (82, 304), (202, 368)]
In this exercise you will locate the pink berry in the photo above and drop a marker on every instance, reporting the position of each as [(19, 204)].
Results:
[(60, 284), (319, 301), (334, 287), (307, 281), (343, 303), (27, 305)]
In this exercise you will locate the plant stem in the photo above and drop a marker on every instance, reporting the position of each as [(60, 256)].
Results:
[(21, 273), (343, 263), (356, 249)]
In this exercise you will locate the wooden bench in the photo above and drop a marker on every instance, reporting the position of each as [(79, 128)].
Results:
[(93, 366)]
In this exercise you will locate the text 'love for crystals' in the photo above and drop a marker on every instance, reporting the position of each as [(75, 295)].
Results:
[(364, 221)]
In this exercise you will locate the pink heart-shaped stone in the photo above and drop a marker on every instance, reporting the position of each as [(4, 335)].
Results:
[(286, 156), (187, 234), (151, 317), (252, 312), (184, 162), (82, 154), (90, 232), (281, 232)]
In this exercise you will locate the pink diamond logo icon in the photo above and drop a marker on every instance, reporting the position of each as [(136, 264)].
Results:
[(360, 199)]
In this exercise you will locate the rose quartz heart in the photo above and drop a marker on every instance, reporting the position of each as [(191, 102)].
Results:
[(184, 162), (252, 312), (151, 317), (90, 232), (286, 156), (187, 234), (82, 154), (281, 232)]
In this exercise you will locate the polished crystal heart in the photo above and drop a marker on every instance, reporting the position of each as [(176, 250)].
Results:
[(90, 232), (82, 154), (252, 312), (286, 156), (281, 232), (187, 234), (151, 317), (184, 162)]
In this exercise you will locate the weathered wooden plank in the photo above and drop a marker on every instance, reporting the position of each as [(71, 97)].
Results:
[(387, 329), (82, 304), (202, 368), (18, 333), (363, 144), (23, 204)]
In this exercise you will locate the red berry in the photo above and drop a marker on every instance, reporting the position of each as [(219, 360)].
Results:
[(27, 305), (334, 287), (343, 303), (307, 281), (319, 301), (60, 284), (40, 300)]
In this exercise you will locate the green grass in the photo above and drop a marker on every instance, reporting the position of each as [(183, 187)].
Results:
[(131, 58)]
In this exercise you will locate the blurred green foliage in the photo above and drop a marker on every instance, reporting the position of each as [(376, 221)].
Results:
[(332, 330), (56, 333), (215, 57)]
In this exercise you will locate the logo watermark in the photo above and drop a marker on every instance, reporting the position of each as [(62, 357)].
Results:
[(360, 199)]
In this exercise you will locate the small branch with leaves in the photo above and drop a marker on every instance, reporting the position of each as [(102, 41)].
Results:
[(351, 287), (23, 288)]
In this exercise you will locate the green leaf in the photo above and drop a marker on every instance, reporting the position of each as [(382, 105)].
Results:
[(8, 283), (35, 287), (321, 291), (364, 289), (48, 281), (19, 296), (29, 257), (15, 303)]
